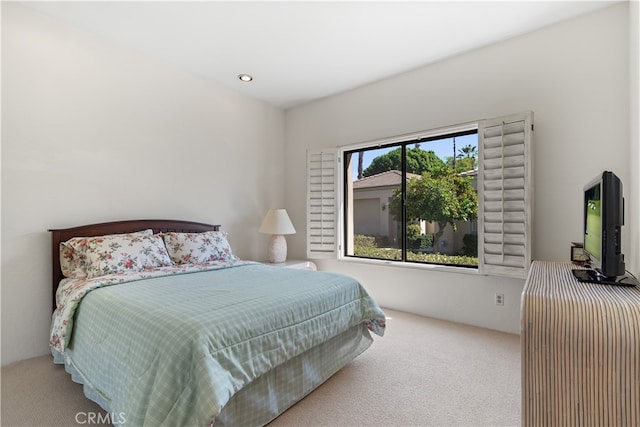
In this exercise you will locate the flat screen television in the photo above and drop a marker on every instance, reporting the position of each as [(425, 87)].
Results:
[(603, 218)]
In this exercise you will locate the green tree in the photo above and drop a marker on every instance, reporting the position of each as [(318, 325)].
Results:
[(463, 164), (443, 197), (466, 164), (469, 153), (418, 162)]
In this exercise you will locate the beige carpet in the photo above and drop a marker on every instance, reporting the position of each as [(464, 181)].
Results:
[(424, 372)]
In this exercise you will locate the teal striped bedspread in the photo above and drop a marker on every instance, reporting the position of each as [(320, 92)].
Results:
[(173, 346)]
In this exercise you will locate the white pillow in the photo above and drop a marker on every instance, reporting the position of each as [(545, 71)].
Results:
[(197, 248), (123, 254), (73, 257)]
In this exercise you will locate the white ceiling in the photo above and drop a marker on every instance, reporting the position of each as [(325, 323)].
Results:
[(301, 51)]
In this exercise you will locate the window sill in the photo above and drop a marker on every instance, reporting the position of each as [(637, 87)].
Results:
[(412, 265)]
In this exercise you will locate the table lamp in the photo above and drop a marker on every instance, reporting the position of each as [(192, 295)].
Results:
[(277, 223)]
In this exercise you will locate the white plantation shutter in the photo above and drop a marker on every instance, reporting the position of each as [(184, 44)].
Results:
[(505, 195), (321, 204)]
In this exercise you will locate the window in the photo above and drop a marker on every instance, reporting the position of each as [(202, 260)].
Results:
[(406, 200), (413, 201)]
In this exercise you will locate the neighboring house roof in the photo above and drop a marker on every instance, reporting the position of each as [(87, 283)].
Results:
[(385, 179), (393, 178), (473, 172)]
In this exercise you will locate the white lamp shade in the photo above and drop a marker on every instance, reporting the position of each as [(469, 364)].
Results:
[(277, 222)]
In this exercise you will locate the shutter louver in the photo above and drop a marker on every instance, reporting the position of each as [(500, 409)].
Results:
[(321, 204), (505, 198)]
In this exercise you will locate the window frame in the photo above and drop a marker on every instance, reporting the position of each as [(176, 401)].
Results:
[(402, 142)]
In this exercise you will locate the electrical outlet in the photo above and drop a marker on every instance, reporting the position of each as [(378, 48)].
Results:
[(499, 299)]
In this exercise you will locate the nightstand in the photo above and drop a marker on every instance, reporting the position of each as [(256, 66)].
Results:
[(295, 263)]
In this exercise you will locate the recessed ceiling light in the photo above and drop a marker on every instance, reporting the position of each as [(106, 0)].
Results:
[(245, 77)]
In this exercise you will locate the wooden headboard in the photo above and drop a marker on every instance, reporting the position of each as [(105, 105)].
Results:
[(117, 227)]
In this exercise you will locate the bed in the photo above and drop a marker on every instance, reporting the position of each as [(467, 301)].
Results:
[(163, 325)]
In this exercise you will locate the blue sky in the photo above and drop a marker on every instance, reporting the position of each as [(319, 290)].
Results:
[(442, 147)]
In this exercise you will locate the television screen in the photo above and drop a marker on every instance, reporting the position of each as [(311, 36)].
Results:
[(593, 222)]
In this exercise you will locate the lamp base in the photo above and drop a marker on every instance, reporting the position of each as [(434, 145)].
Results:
[(277, 250)]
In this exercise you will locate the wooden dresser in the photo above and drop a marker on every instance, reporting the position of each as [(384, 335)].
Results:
[(580, 345)]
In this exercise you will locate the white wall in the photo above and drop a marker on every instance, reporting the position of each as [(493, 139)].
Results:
[(573, 75), (633, 220), (92, 133)]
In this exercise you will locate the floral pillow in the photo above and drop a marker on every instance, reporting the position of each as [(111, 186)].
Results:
[(197, 248), (125, 253), (73, 257)]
